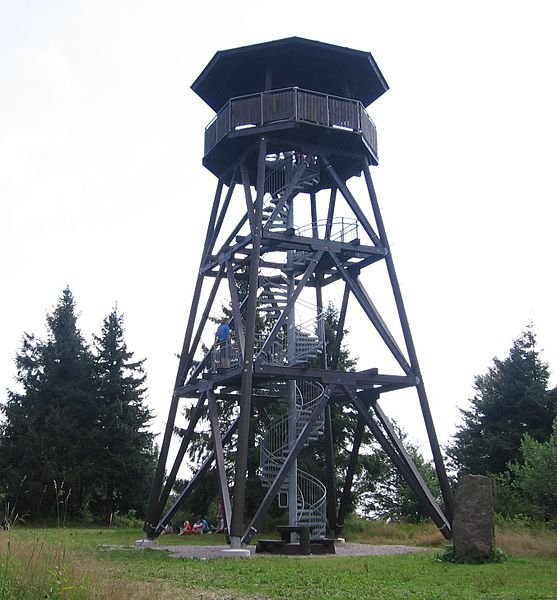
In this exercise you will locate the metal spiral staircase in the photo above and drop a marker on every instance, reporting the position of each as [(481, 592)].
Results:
[(311, 493), (307, 340)]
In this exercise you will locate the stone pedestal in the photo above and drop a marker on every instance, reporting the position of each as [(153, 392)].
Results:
[(473, 524)]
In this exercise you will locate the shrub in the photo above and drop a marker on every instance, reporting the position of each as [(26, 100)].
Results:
[(450, 555)]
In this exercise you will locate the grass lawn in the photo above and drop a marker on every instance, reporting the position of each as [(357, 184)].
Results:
[(83, 563)]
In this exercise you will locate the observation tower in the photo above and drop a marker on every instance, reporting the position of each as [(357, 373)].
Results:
[(288, 229)]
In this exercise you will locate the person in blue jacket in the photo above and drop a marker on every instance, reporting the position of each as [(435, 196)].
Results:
[(223, 338)]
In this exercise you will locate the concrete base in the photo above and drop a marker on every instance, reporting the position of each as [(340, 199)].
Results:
[(236, 553), (145, 543), (339, 541)]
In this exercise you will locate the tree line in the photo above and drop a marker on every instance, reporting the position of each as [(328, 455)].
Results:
[(74, 438), (75, 443)]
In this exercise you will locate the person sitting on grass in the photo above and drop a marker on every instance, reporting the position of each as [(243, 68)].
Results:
[(201, 526), (187, 529), (220, 525), (198, 526), (206, 527), (167, 528)]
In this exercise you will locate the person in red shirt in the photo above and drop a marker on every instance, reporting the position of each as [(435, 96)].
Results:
[(187, 529)]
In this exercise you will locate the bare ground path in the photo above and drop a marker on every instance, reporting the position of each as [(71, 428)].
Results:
[(347, 549)]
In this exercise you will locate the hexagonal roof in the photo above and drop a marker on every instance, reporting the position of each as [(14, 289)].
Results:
[(292, 62)]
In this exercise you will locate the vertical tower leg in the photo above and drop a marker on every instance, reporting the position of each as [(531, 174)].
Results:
[(237, 521)]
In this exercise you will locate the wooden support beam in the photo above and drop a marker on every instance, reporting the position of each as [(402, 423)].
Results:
[(373, 315), (406, 466), (237, 519), (196, 414), (219, 455), (194, 481)]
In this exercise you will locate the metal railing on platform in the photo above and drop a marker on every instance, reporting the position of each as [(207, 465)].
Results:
[(224, 356), (340, 229), (291, 104)]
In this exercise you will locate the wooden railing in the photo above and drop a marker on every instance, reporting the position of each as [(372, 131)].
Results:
[(291, 104)]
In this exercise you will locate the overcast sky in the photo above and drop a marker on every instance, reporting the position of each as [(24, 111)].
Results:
[(102, 187)]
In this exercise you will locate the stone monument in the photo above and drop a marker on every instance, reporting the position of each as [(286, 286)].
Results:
[(473, 525)]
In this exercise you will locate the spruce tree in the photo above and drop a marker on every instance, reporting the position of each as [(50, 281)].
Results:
[(125, 448), (511, 400), (47, 442)]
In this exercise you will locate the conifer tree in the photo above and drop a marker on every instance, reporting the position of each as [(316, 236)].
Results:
[(511, 400), (47, 442), (126, 455), (73, 439)]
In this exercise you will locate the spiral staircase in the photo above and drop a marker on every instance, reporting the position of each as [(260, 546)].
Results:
[(307, 339), (311, 493)]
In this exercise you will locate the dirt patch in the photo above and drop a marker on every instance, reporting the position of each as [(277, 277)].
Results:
[(347, 549)]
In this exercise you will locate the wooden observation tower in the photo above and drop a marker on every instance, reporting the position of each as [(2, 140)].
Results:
[(290, 137)]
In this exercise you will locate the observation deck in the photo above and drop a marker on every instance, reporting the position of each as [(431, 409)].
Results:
[(302, 95), (293, 115)]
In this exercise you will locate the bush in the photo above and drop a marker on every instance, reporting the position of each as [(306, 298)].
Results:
[(529, 487), (129, 520), (450, 555)]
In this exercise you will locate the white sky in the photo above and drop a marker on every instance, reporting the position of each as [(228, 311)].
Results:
[(102, 187)]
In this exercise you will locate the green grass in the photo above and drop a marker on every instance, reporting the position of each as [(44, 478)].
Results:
[(413, 575), (77, 563)]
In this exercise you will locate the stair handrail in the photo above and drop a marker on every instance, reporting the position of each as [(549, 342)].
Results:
[(313, 503), (312, 328), (279, 426), (266, 280), (277, 355)]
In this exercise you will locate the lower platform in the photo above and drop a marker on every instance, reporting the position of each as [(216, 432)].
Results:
[(320, 546)]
